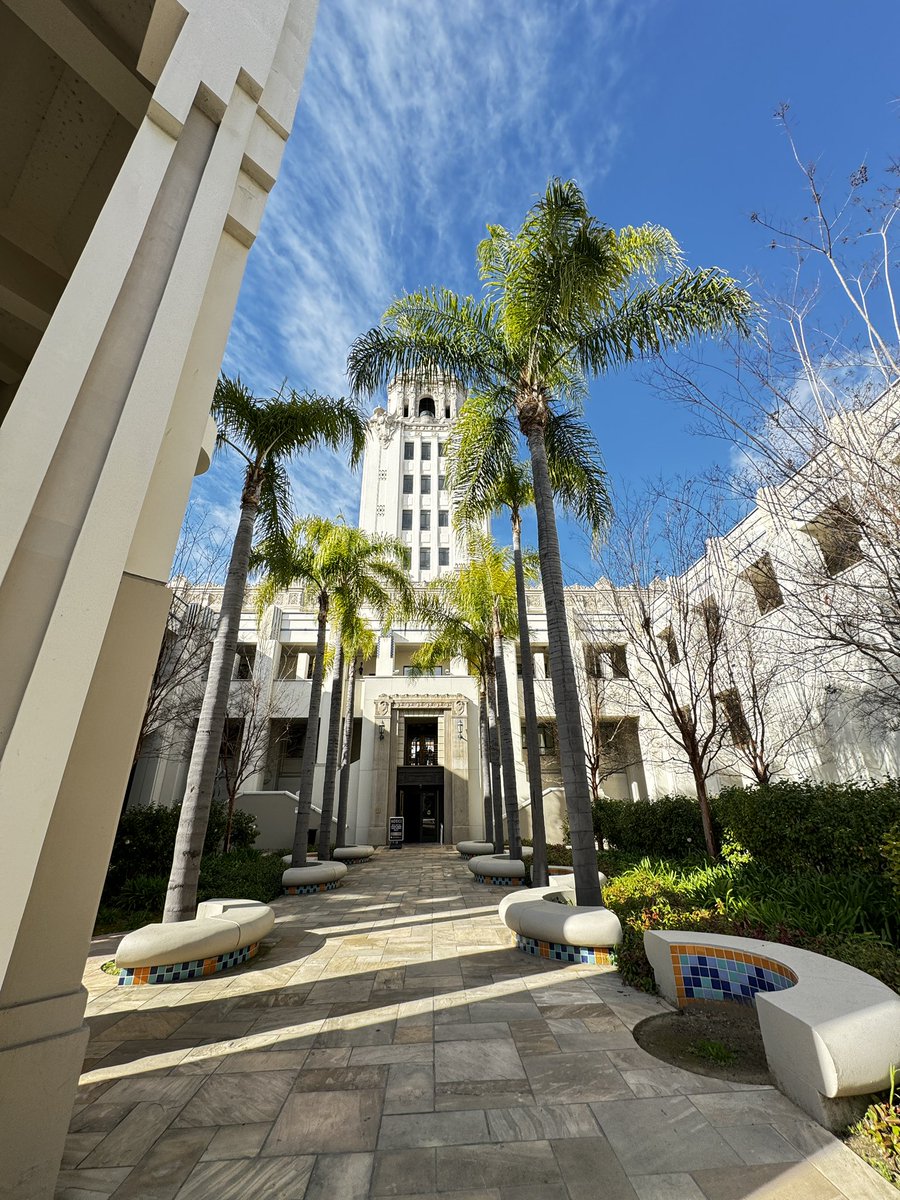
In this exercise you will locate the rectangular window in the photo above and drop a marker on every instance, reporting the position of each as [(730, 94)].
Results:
[(607, 662), (426, 451), (547, 739), (734, 717), (761, 577), (839, 535), (424, 558), (443, 557), (425, 518), (409, 451), (407, 485), (426, 485), (245, 658), (443, 518), (667, 636), (406, 519), (442, 483), (287, 662), (712, 620), (442, 449)]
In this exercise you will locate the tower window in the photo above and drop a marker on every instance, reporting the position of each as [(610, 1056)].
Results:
[(407, 485), (409, 451), (443, 556), (425, 518), (443, 518), (424, 558), (406, 519), (426, 451), (426, 406), (442, 449), (447, 411), (442, 483), (426, 485)]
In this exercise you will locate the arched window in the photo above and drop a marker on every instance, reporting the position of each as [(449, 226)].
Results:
[(426, 406)]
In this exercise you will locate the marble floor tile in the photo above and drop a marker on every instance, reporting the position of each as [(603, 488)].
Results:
[(432, 1129), (340, 1177), (283, 1178), (513, 1165), (404, 1172), (667, 1135), (574, 1078), (237, 1141), (410, 1088), (238, 1099), (490, 1058), (339, 1122)]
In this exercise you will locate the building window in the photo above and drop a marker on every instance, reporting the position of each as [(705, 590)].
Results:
[(426, 406), (442, 449), (734, 717), (406, 519), (407, 485), (547, 739), (426, 485), (712, 620), (447, 411), (244, 660), (443, 518), (667, 636), (442, 483), (426, 451), (762, 578), (421, 744), (839, 535), (409, 451), (606, 662), (425, 518), (429, 672), (424, 558), (443, 557), (287, 662)]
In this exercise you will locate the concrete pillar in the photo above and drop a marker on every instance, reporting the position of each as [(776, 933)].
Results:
[(96, 457)]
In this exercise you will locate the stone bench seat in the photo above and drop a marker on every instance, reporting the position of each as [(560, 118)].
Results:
[(830, 1031), (474, 849), (548, 925), (224, 934), (499, 869), (352, 854), (314, 877)]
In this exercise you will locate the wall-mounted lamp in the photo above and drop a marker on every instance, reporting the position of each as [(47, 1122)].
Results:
[(381, 731), (460, 728)]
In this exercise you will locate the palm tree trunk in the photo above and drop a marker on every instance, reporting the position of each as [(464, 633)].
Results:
[(181, 895), (485, 767), (539, 874), (331, 754), (496, 786), (507, 759), (311, 742), (562, 674), (346, 748)]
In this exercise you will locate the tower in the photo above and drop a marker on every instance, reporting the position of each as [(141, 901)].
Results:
[(404, 491)]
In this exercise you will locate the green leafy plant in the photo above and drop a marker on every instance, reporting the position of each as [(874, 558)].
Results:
[(890, 851), (713, 1051), (879, 1131), (669, 826)]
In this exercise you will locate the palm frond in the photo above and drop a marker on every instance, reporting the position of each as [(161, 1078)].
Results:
[(577, 474)]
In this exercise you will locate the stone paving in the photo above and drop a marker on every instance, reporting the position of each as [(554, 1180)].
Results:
[(391, 1041)]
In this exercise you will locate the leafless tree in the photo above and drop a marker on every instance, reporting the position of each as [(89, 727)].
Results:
[(247, 740)]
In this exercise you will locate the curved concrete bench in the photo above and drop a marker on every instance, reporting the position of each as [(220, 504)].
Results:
[(499, 869), (224, 934), (314, 877), (547, 925), (353, 854), (474, 849), (830, 1031)]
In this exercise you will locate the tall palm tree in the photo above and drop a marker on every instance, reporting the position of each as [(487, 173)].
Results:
[(266, 433), (484, 441), (567, 298), (359, 644), (473, 612), (346, 569)]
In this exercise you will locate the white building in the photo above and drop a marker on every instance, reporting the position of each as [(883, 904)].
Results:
[(415, 743)]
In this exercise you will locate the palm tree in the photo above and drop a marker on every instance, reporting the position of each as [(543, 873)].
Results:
[(346, 569), (567, 298), (359, 644), (484, 440), (266, 433), (474, 611)]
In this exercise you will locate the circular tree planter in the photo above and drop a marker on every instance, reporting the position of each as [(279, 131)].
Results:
[(474, 849), (353, 854), (499, 869), (546, 924), (315, 877)]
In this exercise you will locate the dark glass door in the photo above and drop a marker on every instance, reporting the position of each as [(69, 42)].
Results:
[(422, 808)]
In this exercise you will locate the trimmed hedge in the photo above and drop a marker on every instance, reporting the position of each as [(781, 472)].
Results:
[(803, 826), (667, 827)]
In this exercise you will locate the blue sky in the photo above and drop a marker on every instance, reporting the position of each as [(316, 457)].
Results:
[(421, 120)]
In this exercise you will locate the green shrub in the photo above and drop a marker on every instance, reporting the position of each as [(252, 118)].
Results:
[(142, 893), (890, 851), (806, 826), (667, 827), (244, 830), (244, 874)]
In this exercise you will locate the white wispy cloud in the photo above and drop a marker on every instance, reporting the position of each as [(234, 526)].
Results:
[(419, 121)]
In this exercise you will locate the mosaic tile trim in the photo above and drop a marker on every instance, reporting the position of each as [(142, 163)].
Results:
[(354, 862), (198, 968), (720, 973), (309, 889), (499, 880), (560, 952)]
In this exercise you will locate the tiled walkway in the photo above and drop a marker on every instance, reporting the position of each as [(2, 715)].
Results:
[(392, 1042)]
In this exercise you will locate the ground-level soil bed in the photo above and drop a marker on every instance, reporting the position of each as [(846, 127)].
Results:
[(721, 1039)]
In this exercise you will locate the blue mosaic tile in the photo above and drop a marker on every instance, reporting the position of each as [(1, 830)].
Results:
[(558, 952), (185, 971), (313, 889), (499, 880)]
